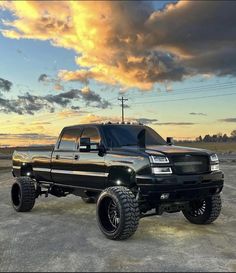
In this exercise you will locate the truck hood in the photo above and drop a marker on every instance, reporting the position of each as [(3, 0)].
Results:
[(172, 149)]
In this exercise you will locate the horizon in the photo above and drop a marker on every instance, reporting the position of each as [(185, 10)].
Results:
[(60, 68), (217, 139)]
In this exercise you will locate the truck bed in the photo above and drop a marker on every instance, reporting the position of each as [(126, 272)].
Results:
[(21, 160)]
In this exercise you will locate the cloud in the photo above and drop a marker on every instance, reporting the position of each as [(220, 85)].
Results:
[(84, 76), (91, 118), (129, 42), (228, 119), (41, 123), (63, 99), (46, 79), (89, 95), (202, 34), (146, 120), (30, 104), (197, 114), (74, 111), (26, 139), (58, 87), (75, 107), (43, 78), (32, 136), (91, 98), (175, 123), (70, 113), (10, 106), (5, 85)]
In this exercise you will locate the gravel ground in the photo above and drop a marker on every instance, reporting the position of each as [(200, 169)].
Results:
[(61, 234)]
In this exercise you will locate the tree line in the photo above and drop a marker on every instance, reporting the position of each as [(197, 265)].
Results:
[(217, 137)]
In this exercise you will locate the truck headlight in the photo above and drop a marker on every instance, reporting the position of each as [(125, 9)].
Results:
[(214, 158), (215, 167), (214, 163), (162, 170), (159, 159)]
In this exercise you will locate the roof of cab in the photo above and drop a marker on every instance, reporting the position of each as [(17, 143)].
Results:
[(103, 124)]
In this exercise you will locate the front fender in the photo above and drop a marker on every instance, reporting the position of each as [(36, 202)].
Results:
[(121, 176)]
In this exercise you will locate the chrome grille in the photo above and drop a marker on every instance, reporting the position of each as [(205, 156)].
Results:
[(190, 164)]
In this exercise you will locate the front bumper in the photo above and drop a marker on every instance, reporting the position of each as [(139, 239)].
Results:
[(180, 187)]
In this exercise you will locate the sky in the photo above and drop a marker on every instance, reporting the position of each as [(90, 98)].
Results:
[(66, 63)]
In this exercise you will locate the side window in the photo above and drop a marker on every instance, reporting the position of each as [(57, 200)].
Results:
[(68, 140), (89, 140)]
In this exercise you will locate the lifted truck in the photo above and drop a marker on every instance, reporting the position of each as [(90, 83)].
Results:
[(128, 170)]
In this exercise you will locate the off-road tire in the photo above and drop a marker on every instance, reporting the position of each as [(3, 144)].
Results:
[(89, 200), (208, 215), (23, 194), (127, 209)]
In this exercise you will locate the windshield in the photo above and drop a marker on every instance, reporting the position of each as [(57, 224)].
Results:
[(131, 135)]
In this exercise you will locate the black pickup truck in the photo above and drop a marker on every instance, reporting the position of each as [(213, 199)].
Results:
[(127, 169)]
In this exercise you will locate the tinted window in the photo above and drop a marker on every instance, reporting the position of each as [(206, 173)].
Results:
[(131, 135), (91, 133), (68, 139)]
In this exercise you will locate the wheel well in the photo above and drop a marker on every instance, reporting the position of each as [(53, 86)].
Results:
[(122, 176)]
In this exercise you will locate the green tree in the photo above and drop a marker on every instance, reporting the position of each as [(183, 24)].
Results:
[(225, 138), (233, 134)]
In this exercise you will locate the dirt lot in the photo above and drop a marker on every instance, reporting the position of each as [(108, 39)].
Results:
[(62, 235)]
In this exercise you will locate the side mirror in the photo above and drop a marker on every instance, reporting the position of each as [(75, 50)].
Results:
[(85, 144), (170, 140), (101, 150)]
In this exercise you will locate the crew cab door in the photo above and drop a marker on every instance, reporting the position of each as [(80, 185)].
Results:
[(90, 166), (65, 156)]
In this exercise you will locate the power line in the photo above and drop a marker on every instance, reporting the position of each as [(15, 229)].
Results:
[(122, 99), (180, 99), (206, 86), (216, 87), (198, 89), (191, 89)]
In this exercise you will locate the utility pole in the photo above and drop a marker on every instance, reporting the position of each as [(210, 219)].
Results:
[(122, 99)]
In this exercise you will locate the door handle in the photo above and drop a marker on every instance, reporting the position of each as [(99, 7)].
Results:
[(57, 156), (76, 157)]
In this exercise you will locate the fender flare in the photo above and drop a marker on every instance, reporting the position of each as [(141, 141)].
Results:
[(121, 176)]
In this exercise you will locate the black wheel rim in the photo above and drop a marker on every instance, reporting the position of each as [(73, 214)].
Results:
[(113, 214), (109, 215), (197, 208)]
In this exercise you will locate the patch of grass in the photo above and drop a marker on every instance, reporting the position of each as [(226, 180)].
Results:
[(218, 147), (5, 168), (10, 150), (5, 163), (7, 151)]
